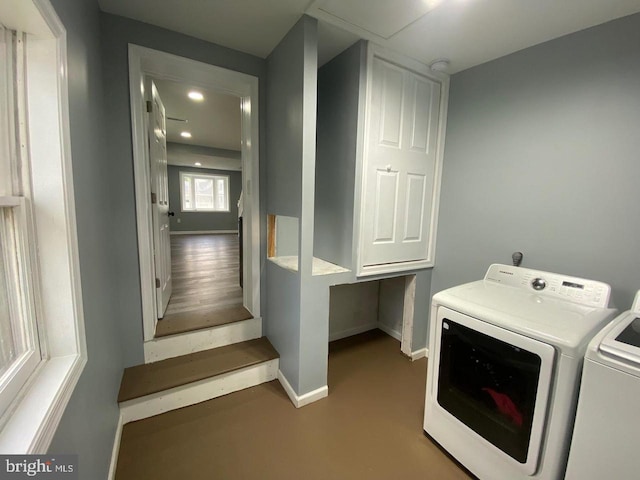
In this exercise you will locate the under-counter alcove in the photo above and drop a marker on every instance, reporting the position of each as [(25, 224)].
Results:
[(359, 312), (386, 304)]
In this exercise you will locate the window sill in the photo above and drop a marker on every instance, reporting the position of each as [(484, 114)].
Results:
[(205, 211), (33, 422), (320, 267)]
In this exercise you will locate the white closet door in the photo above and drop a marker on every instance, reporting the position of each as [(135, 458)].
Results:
[(399, 165), (160, 190)]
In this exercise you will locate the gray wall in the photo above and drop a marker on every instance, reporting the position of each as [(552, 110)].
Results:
[(542, 156), (353, 308), (391, 304), (117, 32), (197, 221), (287, 236), (178, 149), (89, 422), (291, 128), (339, 87)]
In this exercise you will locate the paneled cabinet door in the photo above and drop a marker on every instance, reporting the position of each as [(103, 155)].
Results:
[(399, 165)]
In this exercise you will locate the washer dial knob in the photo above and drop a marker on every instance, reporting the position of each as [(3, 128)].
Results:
[(538, 283)]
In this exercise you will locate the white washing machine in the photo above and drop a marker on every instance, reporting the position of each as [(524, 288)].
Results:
[(505, 359), (607, 428)]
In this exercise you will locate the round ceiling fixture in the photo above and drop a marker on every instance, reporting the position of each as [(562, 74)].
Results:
[(185, 134), (195, 95), (440, 65)]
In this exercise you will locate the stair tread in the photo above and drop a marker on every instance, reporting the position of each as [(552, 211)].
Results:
[(186, 322), (149, 378)]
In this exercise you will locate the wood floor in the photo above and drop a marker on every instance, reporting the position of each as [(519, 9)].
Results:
[(369, 427), (205, 277)]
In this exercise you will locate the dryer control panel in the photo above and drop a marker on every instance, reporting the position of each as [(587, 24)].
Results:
[(573, 289)]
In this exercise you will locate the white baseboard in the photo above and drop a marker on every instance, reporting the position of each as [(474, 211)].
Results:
[(198, 340), (301, 400), (116, 448), (352, 331), (202, 232), (389, 331), (418, 354), (197, 392)]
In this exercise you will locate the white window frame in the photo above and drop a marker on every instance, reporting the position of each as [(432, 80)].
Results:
[(214, 178), (15, 232), (31, 421)]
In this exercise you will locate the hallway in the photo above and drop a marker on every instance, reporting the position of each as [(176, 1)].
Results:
[(206, 288)]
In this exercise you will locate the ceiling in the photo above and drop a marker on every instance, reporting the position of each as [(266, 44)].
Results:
[(468, 32), (213, 122)]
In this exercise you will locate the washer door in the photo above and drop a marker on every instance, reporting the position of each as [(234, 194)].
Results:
[(496, 383)]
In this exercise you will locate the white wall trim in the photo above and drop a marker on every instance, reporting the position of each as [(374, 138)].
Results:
[(199, 340), (145, 61), (418, 354), (116, 449), (390, 331), (352, 331), (301, 400), (196, 392), (203, 232)]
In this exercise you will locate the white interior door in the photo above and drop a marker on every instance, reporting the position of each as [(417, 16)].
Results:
[(159, 199), (400, 165)]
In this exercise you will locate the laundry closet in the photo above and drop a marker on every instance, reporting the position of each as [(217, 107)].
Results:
[(380, 136)]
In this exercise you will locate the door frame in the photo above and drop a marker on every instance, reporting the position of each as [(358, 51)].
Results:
[(145, 61)]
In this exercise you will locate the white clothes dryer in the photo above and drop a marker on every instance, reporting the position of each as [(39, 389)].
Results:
[(607, 428), (505, 359)]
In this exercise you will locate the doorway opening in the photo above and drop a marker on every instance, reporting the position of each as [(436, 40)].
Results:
[(204, 180), (204, 183)]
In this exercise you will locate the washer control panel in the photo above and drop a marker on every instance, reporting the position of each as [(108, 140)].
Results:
[(578, 290), (538, 283)]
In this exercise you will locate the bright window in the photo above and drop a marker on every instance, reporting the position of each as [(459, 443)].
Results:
[(42, 343), (204, 193), (20, 352), (19, 344)]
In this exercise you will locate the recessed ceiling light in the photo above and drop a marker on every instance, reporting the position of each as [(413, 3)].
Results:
[(195, 95), (198, 164), (185, 134)]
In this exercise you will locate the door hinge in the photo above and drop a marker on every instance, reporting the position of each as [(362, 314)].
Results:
[(149, 106), (154, 199), (157, 283)]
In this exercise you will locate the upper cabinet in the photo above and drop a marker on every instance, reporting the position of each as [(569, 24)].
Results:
[(399, 109), (400, 166)]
